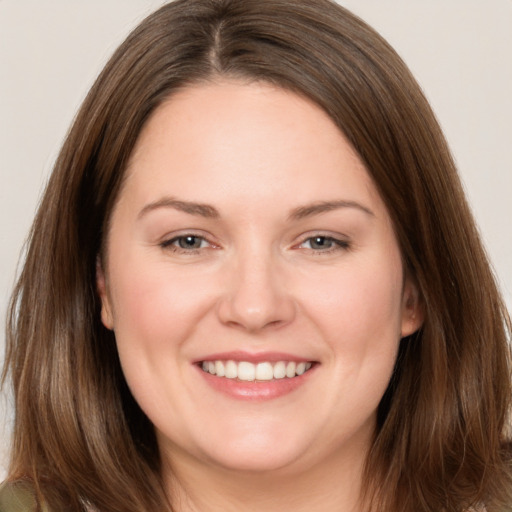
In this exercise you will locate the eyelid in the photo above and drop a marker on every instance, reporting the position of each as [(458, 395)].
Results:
[(341, 242), (169, 239), (170, 242)]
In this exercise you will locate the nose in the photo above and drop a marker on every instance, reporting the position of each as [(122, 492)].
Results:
[(255, 295)]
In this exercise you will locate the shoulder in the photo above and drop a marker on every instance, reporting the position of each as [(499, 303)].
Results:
[(17, 497)]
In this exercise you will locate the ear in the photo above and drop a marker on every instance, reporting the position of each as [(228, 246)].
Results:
[(107, 317), (412, 309)]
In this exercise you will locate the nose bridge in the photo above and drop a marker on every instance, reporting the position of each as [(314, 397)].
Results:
[(256, 295)]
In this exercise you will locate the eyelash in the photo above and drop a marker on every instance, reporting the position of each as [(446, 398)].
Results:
[(171, 244), (335, 244)]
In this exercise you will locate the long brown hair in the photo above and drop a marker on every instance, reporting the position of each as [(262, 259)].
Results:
[(442, 441)]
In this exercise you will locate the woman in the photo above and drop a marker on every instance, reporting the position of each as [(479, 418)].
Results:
[(254, 281)]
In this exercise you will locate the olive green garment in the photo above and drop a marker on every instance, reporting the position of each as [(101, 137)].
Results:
[(17, 497)]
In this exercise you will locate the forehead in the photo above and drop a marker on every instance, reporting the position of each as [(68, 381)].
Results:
[(258, 138)]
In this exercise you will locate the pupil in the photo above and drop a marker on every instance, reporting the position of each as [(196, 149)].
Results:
[(320, 242), (189, 242)]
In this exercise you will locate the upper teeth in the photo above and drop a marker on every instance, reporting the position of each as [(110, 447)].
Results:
[(244, 370)]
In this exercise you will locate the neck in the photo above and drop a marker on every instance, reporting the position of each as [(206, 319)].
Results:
[(329, 486)]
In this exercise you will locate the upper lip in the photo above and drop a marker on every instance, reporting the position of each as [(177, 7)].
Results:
[(254, 357)]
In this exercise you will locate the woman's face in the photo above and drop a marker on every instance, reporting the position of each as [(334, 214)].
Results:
[(254, 282)]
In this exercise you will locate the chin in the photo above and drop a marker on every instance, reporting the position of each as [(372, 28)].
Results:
[(251, 459), (252, 447)]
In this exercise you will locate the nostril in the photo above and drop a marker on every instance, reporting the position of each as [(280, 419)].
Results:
[(256, 301), (254, 312)]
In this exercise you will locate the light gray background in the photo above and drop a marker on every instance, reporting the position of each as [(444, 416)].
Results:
[(51, 51)]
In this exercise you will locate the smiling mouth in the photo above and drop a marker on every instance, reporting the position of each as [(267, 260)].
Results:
[(249, 372)]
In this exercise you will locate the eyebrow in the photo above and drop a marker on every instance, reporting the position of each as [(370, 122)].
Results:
[(210, 212), (200, 209), (317, 208)]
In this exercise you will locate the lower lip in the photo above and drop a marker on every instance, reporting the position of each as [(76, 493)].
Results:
[(256, 391)]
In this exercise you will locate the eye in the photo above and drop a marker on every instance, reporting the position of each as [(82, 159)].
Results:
[(322, 243), (185, 243)]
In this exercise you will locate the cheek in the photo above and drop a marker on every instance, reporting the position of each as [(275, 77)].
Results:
[(156, 306), (156, 310), (147, 304), (359, 315), (361, 302)]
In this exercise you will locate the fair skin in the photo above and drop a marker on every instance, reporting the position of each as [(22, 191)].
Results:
[(248, 230)]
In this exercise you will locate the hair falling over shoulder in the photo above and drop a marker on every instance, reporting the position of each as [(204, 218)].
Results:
[(444, 440)]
